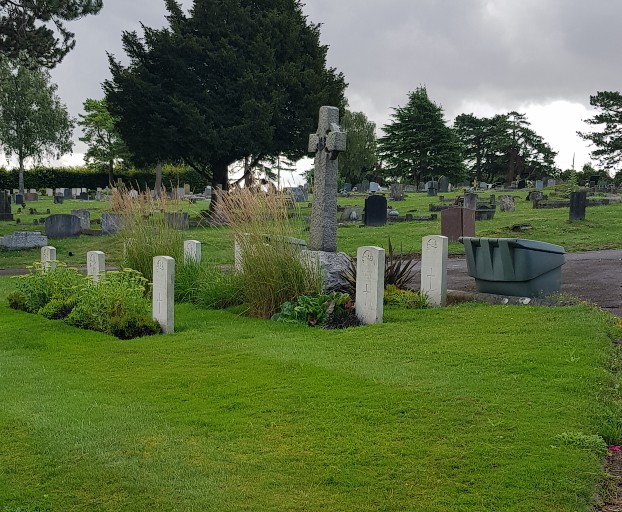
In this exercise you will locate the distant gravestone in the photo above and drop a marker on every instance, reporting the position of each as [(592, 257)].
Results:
[(578, 202), (539, 184), (23, 240), (83, 196), (85, 217), (62, 225), (373, 187), (111, 223), (364, 186), (192, 251), (375, 211), (59, 199), (434, 269), (177, 220), (19, 199), (521, 184), (5, 206), (31, 196), (49, 192), (443, 184), (457, 222), (67, 193), (326, 143), (186, 189), (95, 264), (48, 258), (370, 284), (470, 201), (163, 302), (347, 187), (506, 203), (551, 183), (396, 192)]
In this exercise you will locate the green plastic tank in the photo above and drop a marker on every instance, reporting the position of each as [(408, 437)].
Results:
[(514, 266)]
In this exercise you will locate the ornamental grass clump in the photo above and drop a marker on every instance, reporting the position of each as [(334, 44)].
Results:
[(144, 230), (272, 270)]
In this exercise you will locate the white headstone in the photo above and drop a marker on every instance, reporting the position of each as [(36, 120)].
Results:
[(434, 269), (95, 264), (373, 186), (192, 251), (48, 258), (49, 192), (164, 292), (370, 284)]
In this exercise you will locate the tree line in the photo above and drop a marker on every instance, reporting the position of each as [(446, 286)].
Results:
[(241, 80)]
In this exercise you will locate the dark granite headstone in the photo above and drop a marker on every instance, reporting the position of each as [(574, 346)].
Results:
[(84, 196), (59, 199), (67, 193), (578, 202), (375, 211), (18, 198), (457, 222), (5, 206), (521, 184), (62, 226)]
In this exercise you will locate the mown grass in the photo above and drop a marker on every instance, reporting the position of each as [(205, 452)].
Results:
[(457, 409), (600, 230)]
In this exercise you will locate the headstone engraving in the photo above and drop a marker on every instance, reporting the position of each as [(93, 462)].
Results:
[(95, 264), (192, 251), (163, 300), (370, 284), (375, 211), (326, 143), (48, 258), (434, 269)]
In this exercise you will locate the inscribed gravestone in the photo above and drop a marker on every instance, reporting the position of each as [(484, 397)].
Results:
[(470, 201), (19, 199), (375, 211), (369, 284), (457, 222), (85, 217), (539, 184), (48, 258), (326, 143), (95, 264), (23, 240), (434, 269), (164, 292), (192, 251), (443, 184)]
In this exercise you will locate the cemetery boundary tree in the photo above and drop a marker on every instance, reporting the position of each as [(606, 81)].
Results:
[(608, 140)]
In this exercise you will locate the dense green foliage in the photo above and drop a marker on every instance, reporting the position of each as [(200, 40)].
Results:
[(417, 143), (608, 139), (315, 309), (33, 27), (503, 148), (360, 158), (231, 79), (33, 121), (105, 146)]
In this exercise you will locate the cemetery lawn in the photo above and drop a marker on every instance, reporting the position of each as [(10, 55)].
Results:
[(459, 409)]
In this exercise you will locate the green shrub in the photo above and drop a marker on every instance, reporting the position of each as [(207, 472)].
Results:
[(17, 301), (57, 309), (313, 310), (39, 286), (394, 296), (127, 327)]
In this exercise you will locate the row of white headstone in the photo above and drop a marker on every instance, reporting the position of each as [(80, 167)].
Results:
[(369, 277)]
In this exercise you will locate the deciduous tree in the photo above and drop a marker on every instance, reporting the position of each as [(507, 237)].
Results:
[(33, 121), (608, 140), (361, 155)]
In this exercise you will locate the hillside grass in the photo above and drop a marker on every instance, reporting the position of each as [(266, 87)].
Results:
[(456, 409)]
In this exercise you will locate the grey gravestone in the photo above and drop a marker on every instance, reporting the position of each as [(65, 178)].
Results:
[(5, 206), (177, 220), (326, 143), (18, 198), (84, 196), (483, 185), (62, 226), (111, 223), (431, 190), (98, 195), (539, 184), (421, 187), (373, 186), (84, 216), (375, 211), (506, 203), (443, 184), (470, 201), (397, 192), (364, 186), (23, 240), (551, 183), (299, 194), (347, 187), (59, 199), (67, 193)]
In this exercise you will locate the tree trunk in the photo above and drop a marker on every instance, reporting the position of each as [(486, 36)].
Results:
[(158, 180), (220, 183), (21, 176), (110, 173)]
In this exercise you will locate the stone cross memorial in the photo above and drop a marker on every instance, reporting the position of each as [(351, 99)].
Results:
[(326, 143), (369, 284), (164, 293), (48, 258), (192, 251), (434, 269), (95, 264)]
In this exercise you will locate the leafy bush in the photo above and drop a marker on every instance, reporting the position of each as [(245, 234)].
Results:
[(313, 310), (127, 327), (57, 309), (394, 296), (17, 301)]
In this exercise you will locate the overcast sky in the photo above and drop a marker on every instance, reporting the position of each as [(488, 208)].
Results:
[(540, 57)]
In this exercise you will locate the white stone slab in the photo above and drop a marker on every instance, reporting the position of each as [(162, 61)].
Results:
[(434, 269), (95, 264), (48, 258), (192, 251), (370, 284), (163, 303)]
